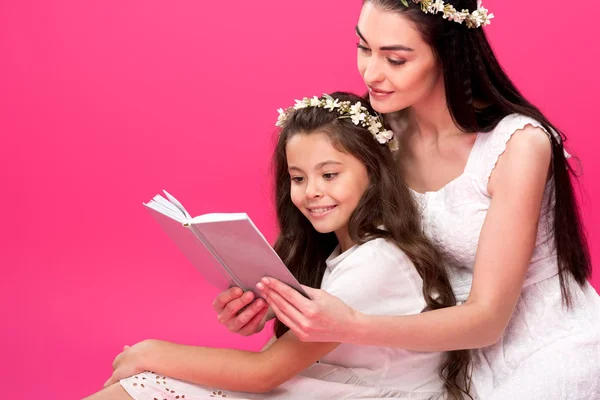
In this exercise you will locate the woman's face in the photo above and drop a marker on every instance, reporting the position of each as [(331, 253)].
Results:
[(398, 66)]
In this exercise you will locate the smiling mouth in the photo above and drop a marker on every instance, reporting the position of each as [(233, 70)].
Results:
[(378, 92), (320, 211)]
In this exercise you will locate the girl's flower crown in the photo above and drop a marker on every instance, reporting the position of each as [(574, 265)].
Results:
[(476, 19), (357, 112)]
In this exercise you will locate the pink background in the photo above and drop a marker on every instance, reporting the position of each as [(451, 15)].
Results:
[(103, 104)]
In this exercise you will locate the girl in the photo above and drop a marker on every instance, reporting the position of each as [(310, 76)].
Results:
[(494, 190), (335, 187)]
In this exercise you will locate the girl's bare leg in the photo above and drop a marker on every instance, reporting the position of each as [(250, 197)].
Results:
[(113, 392)]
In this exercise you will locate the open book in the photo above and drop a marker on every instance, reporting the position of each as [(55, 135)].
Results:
[(227, 249)]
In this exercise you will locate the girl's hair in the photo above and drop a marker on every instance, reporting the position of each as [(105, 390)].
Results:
[(479, 94), (387, 201)]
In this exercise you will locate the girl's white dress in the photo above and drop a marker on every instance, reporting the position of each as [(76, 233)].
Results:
[(374, 278), (547, 352)]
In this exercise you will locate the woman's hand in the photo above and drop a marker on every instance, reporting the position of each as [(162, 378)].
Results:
[(240, 313), (130, 361), (322, 318)]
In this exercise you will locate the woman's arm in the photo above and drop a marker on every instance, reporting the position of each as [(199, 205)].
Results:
[(505, 248), (238, 370)]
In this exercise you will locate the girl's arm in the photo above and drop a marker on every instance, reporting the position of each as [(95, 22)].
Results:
[(237, 370), (391, 286), (505, 248)]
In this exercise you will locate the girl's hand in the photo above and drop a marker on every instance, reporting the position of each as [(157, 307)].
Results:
[(240, 313), (130, 361), (322, 318)]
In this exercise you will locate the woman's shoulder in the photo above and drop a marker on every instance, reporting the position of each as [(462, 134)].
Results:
[(517, 121), (515, 133), (509, 125)]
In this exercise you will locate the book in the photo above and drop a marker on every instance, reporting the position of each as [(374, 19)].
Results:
[(226, 248)]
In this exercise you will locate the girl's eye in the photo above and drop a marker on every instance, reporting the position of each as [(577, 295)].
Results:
[(362, 48), (297, 179), (330, 175), (396, 62)]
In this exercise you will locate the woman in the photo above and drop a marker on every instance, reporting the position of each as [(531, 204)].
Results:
[(491, 177)]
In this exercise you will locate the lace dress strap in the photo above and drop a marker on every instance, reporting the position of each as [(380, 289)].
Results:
[(493, 144)]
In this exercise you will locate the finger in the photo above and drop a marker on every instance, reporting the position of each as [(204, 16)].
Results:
[(225, 297), (286, 311), (231, 310), (125, 347), (110, 380), (254, 325), (311, 292), (245, 316), (286, 320), (116, 361), (290, 295)]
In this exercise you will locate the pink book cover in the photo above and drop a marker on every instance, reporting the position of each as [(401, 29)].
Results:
[(226, 248)]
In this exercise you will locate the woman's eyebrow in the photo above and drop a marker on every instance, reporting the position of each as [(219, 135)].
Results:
[(396, 47)]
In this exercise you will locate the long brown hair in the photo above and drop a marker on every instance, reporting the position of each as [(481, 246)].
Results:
[(479, 94), (387, 201)]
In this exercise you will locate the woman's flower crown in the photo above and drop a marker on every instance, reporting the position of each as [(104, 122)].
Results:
[(476, 19), (357, 112)]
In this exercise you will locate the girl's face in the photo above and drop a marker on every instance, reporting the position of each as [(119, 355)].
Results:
[(326, 184), (398, 66)]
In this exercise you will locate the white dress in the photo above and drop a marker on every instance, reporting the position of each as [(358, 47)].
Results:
[(546, 352), (374, 278)]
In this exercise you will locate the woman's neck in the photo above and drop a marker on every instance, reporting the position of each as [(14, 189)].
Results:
[(430, 118)]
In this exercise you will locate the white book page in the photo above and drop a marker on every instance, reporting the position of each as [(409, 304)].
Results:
[(165, 207), (172, 208), (219, 217), (177, 204)]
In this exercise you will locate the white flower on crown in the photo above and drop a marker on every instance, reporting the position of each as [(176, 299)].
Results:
[(476, 19), (358, 118), (461, 17), (436, 6), (331, 104), (380, 139), (387, 134), (302, 103), (374, 126), (384, 136), (356, 108), (282, 117), (484, 11), (357, 112), (484, 17)]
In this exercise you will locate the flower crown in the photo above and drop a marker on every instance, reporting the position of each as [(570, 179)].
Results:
[(357, 112), (476, 19)]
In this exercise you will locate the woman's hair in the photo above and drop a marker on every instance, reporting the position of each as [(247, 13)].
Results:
[(386, 201), (479, 94)]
